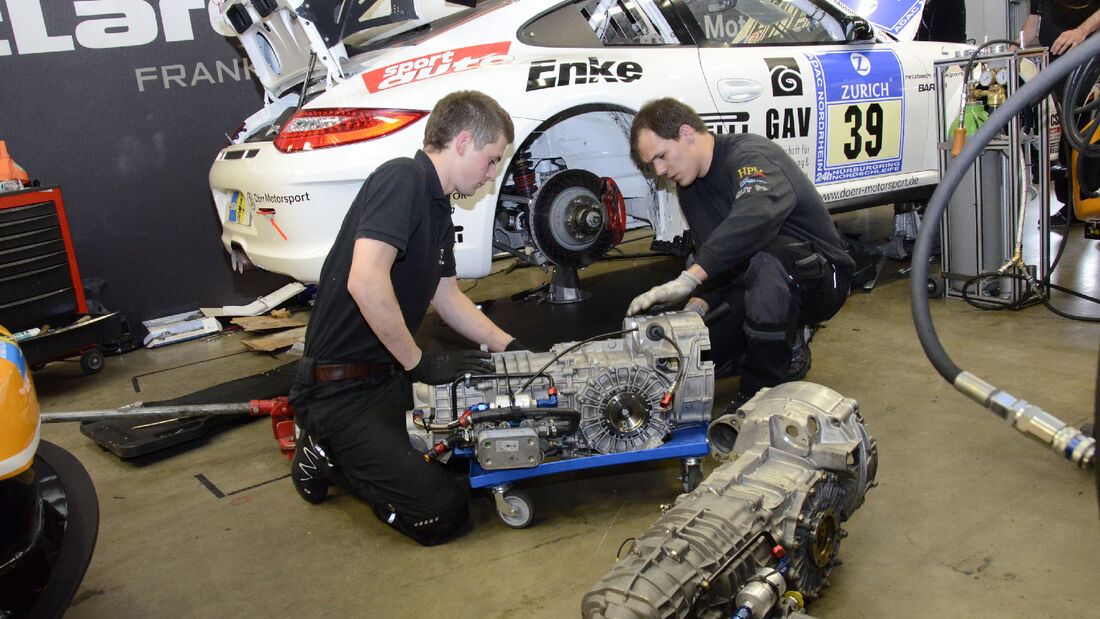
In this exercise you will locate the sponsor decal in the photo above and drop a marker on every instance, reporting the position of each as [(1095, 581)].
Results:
[(256, 199), (869, 189), (859, 114), (786, 78), (787, 123), (889, 16), (926, 87), (751, 178), (552, 73), (435, 65), (9, 351), (99, 25), (749, 171), (729, 122)]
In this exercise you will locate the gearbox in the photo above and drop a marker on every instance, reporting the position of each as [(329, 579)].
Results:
[(620, 392)]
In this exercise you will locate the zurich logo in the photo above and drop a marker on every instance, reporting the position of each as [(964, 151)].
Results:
[(861, 64)]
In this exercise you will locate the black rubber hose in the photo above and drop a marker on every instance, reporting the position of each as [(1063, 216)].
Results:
[(960, 166)]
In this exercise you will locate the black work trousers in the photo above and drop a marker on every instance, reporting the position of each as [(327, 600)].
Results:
[(360, 423), (782, 288)]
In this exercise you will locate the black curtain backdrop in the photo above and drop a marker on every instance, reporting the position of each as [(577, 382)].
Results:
[(128, 130)]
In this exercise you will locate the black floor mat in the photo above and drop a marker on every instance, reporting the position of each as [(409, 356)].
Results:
[(145, 435)]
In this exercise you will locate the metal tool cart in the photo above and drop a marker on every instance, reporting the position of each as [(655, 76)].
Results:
[(40, 284), (642, 393), (982, 230), (515, 507)]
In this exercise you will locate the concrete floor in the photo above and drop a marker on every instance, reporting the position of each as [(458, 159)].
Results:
[(970, 519)]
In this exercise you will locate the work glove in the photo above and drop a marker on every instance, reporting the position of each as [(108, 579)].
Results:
[(697, 305), (443, 367), (666, 294)]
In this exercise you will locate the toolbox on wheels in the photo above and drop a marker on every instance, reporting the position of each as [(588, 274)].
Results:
[(40, 284)]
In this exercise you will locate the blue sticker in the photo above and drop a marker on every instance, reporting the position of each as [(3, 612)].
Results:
[(10, 352), (860, 112), (889, 15)]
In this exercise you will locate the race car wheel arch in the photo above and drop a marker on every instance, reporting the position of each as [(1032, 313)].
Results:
[(569, 221)]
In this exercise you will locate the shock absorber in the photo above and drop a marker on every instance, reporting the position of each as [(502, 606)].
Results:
[(523, 174)]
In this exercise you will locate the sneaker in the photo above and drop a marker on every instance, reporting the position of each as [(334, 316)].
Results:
[(307, 469), (738, 401), (800, 355)]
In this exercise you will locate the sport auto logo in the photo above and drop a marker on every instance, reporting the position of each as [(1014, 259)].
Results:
[(786, 78), (435, 65)]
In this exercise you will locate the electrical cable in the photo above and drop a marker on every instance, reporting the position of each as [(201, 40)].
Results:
[(1025, 417), (541, 371)]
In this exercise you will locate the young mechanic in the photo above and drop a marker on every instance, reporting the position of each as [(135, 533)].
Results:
[(393, 256), (764, 244)]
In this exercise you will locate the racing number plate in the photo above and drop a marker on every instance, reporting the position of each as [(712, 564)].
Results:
[(859, 113), (864, 131), (236, 212)]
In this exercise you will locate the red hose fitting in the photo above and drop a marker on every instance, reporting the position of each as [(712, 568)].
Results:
[(666, 400)]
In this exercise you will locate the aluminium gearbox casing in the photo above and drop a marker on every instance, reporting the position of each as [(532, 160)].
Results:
[(797, 464), (615, 385)]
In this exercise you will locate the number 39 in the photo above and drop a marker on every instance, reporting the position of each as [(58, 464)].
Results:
[(854, 115)]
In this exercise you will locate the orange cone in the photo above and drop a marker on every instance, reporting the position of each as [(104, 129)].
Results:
[(9, 170)]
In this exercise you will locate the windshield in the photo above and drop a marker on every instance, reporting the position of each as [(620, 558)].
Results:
[(763, 22)]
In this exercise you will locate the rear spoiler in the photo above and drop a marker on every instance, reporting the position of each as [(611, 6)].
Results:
[(281, 35)]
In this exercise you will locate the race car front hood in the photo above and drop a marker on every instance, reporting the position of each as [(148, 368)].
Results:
[(900, 18), (280, 36)]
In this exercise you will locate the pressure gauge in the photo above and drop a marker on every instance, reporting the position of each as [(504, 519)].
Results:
[(1002, 76), (986, 78)]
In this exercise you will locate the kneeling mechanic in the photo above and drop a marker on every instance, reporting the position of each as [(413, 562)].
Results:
[(393, 256), (765, 244)]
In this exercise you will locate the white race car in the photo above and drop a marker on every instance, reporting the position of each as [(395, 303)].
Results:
[(349, 84)]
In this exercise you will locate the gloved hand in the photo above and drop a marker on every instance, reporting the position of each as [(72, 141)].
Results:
[(665, 294), (697, 305), (442, 367)]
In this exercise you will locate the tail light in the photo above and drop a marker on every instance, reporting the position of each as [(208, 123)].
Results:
[(323, 127)]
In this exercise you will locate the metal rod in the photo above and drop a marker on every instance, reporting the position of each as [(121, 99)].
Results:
[(189, 410)]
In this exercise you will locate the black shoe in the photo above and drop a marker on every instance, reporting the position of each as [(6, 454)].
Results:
[(738, 401), (1059, 218), (800, 355), (307, 469)]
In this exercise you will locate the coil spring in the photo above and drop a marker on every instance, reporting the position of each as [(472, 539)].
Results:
[(523, 175)]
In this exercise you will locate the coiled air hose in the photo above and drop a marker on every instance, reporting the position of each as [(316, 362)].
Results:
[(1027, 418)]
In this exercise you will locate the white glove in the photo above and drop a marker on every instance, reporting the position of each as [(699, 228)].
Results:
[(665, 294)]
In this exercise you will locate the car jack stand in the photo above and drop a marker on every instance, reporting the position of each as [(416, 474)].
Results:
[(906, 226), (563, 288)]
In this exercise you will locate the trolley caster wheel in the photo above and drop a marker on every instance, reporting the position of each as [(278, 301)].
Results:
[(91, 361), (691, 473), (935, 287), (516, 510)]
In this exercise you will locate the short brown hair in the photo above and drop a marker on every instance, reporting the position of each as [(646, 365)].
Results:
[(467, 110), (664, 117)]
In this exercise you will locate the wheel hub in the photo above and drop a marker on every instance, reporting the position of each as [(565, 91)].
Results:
[(583, 219)]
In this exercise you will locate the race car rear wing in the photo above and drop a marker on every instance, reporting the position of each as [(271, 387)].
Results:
[(281, 35)]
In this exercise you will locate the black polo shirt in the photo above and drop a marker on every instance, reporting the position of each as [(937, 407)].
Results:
[(752, 192), (401, 204)]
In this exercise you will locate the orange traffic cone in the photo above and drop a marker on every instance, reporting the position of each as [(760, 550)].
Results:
[(9, 170)]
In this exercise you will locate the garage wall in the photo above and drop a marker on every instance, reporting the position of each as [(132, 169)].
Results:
[(124, 104)]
